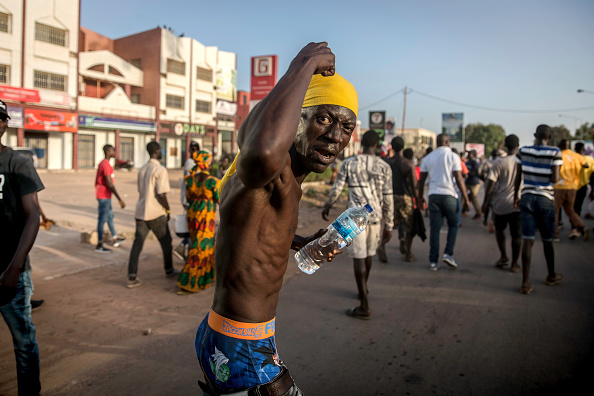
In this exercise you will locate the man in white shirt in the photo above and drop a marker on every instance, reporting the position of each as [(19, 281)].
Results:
[(152, 213), (440, 165)]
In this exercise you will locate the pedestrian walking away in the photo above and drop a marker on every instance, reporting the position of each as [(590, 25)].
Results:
[(538, 169), (299, 127), (473, 182), (369, 181), (19, 216), (404, 186), (585, 177), (500, 194), (104, 187), (203, 197), (442, 166), (566, 191), (152, 213)]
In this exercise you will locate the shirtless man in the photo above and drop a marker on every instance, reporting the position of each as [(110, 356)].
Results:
[(300, 127)]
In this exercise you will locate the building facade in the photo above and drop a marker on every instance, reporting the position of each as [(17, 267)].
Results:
[(39, 77)]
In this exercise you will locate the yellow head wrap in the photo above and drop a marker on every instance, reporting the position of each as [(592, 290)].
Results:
[(332, 90)]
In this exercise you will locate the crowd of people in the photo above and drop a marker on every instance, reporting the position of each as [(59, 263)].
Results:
[(302, 126)]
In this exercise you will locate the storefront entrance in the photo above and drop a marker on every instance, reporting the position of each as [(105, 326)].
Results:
[(86, 151), (38, 142)]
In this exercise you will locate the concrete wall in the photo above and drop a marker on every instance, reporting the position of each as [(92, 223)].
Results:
[(11, 42)]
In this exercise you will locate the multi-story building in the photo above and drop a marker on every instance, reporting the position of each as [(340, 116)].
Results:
[(38, 77), (182, 79)]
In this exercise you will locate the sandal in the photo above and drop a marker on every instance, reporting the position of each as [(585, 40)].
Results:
[(358, 313), (526, 289), (501, 263), (555, 280), (515, 268)]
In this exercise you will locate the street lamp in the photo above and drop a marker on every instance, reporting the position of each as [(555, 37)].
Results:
[(585, 91), (575, 119)]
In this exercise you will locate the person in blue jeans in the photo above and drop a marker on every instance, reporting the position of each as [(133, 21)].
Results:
[(442, 166), (104, 188), (19, 216), (538, 167)]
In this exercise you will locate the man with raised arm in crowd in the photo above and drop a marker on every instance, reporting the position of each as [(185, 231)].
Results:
[(19, 219), (300, 127), (538, 168)]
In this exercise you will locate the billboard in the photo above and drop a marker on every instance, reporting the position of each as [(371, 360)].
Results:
[(588, 146), (226, 83), (50, 120), (377, 122), (478, 147), (16, 117), (453, 125), (264, 76)]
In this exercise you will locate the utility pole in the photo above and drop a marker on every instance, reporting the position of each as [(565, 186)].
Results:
[(404, 110)]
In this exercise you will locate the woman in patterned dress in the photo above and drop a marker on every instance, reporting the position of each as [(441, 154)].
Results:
[(202, 195)]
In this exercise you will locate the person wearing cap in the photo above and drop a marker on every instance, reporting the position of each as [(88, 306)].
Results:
[(299, 127), (369, 181), (19, 216)]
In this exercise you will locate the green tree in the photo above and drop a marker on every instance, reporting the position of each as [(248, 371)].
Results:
[(559, 133), (492, 136), (585, 132)]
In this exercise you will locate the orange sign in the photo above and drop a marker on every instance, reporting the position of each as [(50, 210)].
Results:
[(50, 120)]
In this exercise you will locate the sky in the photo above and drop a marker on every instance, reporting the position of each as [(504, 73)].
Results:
[(520, 55)]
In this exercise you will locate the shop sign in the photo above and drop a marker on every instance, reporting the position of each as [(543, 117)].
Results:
[(264, 76), (16, 117), (226, 108), (113, 123), (19, 94), (50, 120), (190, 129)]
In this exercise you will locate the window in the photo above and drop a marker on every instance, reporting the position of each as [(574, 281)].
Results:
[(176, 67), (176, 102), (244, 99), (45, 80), (4, 74), (4, 22), (135, 98), (136, 63), (203, 74), (127, 149), (203, 106), (50, 34), (86, 151)]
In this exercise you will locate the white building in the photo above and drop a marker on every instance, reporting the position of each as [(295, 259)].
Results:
[(38, 76)]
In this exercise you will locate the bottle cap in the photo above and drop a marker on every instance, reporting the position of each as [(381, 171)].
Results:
[(369, 208)]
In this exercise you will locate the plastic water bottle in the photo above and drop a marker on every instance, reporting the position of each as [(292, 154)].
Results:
[(340, 233)]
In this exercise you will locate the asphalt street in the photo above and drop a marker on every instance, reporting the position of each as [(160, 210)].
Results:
[(466, 331)]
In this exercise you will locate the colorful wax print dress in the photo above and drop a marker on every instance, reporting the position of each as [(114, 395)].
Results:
[(202, 197)]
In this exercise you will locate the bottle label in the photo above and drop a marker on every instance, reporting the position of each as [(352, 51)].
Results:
[(345, 226)]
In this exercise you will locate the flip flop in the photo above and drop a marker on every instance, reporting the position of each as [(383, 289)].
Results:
[(358, 313), (526, 290), (501, 263), (515, 269)]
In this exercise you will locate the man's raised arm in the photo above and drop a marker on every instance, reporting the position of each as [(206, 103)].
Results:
[(269, 131)]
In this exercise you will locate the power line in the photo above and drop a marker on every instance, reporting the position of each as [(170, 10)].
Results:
[(383, 99), (500, 110)]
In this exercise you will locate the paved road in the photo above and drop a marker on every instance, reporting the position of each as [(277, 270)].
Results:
[(450, 332)]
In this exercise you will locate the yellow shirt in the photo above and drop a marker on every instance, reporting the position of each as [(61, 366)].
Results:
[(586, 172), (570, 170)]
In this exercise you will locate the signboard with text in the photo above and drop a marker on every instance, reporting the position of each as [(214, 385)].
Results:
[(19, 94), (226, 83), (16, 117), (453, 125), (88, 121), (50, 120), (264, 76)]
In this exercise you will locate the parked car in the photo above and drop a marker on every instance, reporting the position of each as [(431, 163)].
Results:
[(28, 152)]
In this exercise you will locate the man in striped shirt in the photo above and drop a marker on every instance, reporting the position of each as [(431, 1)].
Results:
[(538, 166)]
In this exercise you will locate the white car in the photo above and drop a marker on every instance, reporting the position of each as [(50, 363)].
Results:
[(28, 152)]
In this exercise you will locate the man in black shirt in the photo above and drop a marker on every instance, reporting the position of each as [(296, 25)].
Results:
[(404, 186), (19, 224)]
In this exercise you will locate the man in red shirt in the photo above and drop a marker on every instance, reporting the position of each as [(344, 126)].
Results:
[(103, 189)]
